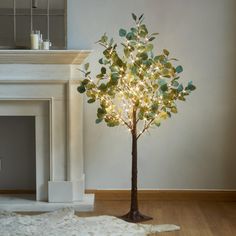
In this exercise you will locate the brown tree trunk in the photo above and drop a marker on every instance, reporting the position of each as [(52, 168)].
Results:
[(134, 215)]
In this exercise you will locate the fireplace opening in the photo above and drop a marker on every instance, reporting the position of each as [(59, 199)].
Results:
[(17, 154)]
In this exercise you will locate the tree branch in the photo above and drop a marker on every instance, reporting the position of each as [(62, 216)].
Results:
[(84, 72), (146, 127), (130, 127)]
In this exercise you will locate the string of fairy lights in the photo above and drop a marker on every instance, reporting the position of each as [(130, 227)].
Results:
[(139, 90)]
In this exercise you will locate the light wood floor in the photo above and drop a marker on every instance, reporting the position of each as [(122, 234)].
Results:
[(195, 218)]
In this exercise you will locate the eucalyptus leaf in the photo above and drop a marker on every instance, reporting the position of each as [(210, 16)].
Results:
[(190, 86), (86, 66), (140, 17), (179, 69), (87, 73), (85, 82), (175, 83), (151, 39), (134, 16), (99, 120), (102, 87), (174, 110), (164, 87), (101, 61), (104, 38), (130, 36), (91, 100), (180, 88), (103, 70), (81, 89), (122, 32), (166, 52), (149, 47)]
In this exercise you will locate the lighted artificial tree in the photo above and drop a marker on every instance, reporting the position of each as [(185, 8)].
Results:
[(136, 89)]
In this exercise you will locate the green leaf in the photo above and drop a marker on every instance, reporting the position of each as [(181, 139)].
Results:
[(103, 70), (86, 66), (99, 120), (158, 123), (175, 83), (126, 52), (165, 72), (107, 54), (190, 86), (90, 86), (140, 115), (168, 65), (134, 16), (85, 82), (101, 113), (99, 76), (81, 88), (180, 88), (130, 36), (102, 87), (143, 31), (179, 69), (151, 39), (159, 58), (111, 42), (148, 62), (182, 98), (166, 52), (143, 56), (104, 38), (154, 107), (122, 32), (114, 78), (149, 47), (174, 109), (87, 73), (91, 100), (101, 61), (161, 82), (164, 87), (134, 30), (140, 17)]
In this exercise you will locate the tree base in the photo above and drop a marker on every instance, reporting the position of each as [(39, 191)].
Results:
[(135, 217)]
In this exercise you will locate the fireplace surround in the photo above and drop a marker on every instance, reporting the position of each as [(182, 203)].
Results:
[(44, 85)]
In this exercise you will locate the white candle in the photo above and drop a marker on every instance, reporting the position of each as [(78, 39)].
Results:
[(34, 41), (46, 45)]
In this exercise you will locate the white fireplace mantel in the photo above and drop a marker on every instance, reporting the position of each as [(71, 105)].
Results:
[(49, 80)]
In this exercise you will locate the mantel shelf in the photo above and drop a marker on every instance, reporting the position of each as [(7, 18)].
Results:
[(43, 57)]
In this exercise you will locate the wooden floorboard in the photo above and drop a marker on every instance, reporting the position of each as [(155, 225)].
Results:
[(194, 217)]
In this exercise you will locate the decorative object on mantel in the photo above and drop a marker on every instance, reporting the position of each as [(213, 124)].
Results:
[(65, 223), (137, 90), (33, 24)]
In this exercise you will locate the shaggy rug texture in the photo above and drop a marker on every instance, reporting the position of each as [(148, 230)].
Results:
[(64, 222)]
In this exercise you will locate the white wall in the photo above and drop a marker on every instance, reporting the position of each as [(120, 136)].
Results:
[(197, 148)]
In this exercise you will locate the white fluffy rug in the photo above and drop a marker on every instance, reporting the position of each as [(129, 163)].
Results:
[(65, 223)]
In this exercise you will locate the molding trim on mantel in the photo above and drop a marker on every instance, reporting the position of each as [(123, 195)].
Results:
[(67, 57), (39, 81), (166, 195)]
